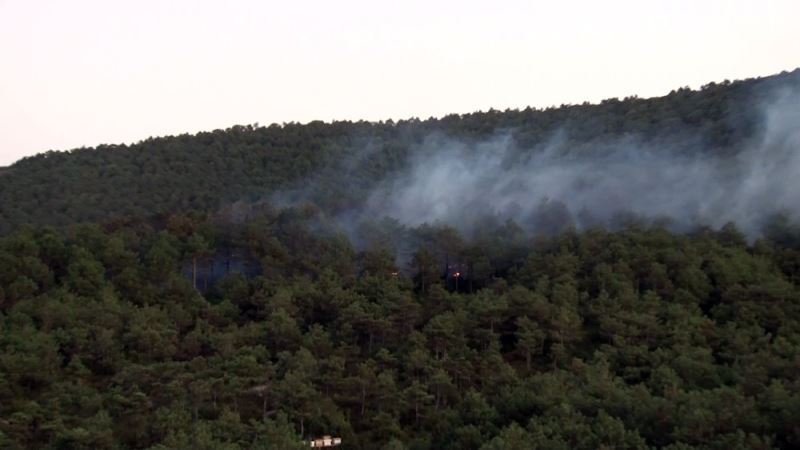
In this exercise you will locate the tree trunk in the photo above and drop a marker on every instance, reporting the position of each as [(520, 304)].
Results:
[(194, 272), (470, 275), (205, 279), (363, 400)]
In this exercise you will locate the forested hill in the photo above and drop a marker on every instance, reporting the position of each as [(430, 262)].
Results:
[(208, 170), (261, 326)]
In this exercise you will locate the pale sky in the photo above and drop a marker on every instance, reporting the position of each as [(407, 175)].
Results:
[(85, 72)]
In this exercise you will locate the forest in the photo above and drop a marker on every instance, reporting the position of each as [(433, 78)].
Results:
[(210, 171), (159, 296)]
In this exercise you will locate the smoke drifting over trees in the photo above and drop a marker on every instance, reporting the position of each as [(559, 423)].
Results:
[(199, 293), (726, 152), (677, 179)]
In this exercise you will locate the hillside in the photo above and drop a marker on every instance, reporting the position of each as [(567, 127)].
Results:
[(211, 170), (635, 339), (621, 275)]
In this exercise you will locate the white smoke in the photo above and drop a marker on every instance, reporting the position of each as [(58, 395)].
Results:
[(544, 188), (673, 178)]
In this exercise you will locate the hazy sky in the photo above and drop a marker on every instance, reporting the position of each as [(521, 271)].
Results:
[(81, 72)]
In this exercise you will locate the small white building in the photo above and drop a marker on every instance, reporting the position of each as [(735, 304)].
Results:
[(326, 441)]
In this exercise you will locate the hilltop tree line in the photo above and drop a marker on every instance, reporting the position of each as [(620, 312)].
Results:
[(636, 338), (210, 170)]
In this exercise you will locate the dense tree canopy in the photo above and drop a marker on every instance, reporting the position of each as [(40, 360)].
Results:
[(150, 297), (632, 339), (210, 170)]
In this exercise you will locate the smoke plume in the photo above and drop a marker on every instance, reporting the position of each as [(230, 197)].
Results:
[(553, 186), (557, 183)]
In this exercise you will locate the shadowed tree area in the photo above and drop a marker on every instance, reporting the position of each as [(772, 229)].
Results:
[(637, 338)]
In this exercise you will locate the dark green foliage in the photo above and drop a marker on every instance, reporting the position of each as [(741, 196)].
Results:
[(632, 339), (215, 170), (199, 315)]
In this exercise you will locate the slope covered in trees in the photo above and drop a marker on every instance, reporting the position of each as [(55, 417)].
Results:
[(632, 339), (216, 291), (211, 170)]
